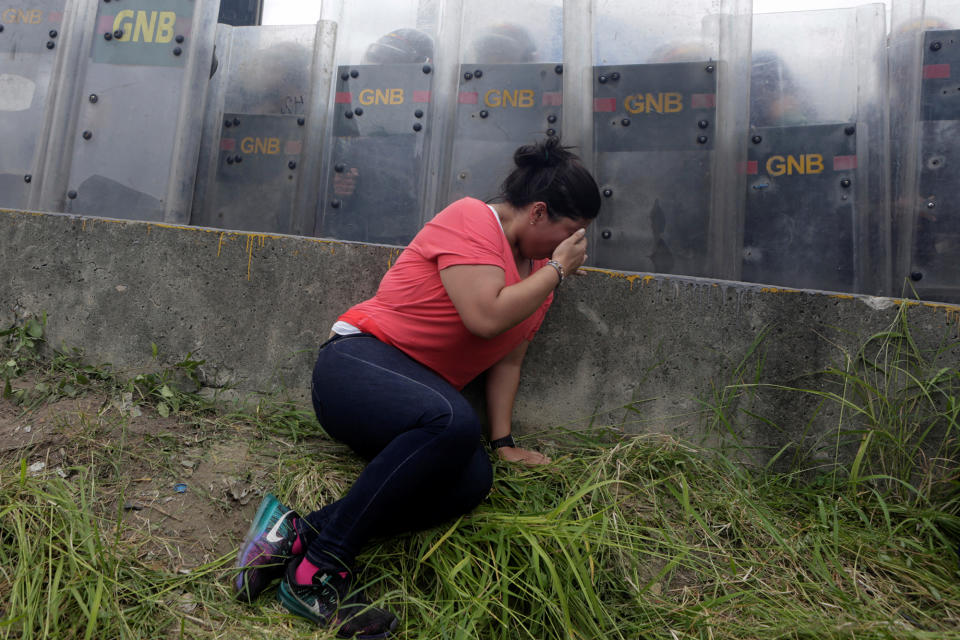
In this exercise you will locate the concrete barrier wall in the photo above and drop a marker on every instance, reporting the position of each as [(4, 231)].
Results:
[(643, 353)]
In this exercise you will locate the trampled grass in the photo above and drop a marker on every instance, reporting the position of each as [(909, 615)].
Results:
[(621, 537), (640, 538)]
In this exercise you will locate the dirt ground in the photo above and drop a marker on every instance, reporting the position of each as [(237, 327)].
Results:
[(187, 488)]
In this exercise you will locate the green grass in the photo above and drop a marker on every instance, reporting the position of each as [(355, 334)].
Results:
[(639, 538), (67, 573), (853, 535), (896, 430)]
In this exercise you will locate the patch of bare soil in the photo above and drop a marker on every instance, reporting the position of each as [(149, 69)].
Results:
[(40, 431), (196, 508), (182, 489), (45, 437)]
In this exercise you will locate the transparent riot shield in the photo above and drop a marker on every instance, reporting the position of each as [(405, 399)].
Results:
[(936, 246), (801, 207), (376, 167), (662, 137), (925, 113), (653, 127), (510, 91), (374, 191), (130, 150), (255, 138), (816, 212), (31, 41)]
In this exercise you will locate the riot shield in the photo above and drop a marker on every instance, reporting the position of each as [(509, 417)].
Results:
[(381, 121), (654, 128), (131, 150), (254, 131), (800, 216), (374, 192), (934, 266), (510, 91), (500, 106), (31, 37), (817, 190), (254, 186), (669, 114)]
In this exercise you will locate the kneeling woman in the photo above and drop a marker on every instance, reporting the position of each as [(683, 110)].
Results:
[(466, 296)]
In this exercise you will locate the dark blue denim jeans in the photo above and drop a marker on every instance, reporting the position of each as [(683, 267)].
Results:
[(422, 439)]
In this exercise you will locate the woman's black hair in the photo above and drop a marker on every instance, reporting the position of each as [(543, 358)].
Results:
[(549, 172)]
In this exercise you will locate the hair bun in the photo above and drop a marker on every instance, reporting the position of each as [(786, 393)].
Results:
[(546, 153), (548, 172)]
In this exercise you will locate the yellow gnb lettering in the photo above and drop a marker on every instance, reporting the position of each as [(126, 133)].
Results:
[(368, 97), (803, 164), (523, 98), (775, 166), (21, 16), (124, 22), (165, 27), (152, 26), (268, 146), (653, 103), (144, 29), (672, 103)]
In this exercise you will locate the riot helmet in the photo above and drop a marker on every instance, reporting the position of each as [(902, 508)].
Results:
[(681, 51), (775, 98), (504, 43), (400, 45)]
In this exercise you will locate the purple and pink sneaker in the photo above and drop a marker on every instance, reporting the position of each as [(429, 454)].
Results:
[(266, 549)]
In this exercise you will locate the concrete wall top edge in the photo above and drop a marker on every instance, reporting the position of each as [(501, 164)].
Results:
[(629, 278)]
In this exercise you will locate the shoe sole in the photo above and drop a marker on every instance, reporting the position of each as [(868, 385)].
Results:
[(261, 521), (295, 606), (258, 526)]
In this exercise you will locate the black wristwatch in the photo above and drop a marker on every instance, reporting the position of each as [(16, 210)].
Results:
[(505, 441)]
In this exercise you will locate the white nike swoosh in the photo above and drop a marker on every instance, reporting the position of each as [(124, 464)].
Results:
[(272, 534), (314, 607)]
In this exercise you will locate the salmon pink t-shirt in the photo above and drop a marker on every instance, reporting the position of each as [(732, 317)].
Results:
[(412, 311)]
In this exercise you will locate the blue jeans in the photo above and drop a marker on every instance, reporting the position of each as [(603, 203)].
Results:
[(422, 438)]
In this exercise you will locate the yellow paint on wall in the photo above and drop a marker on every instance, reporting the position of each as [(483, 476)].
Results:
[(394, 255), (778, 290), (629, 277), (951, 312), (253, 239), (950, 308)]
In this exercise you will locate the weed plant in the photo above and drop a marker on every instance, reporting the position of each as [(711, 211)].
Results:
[(897, 430), (62, 373), (620, 537)]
